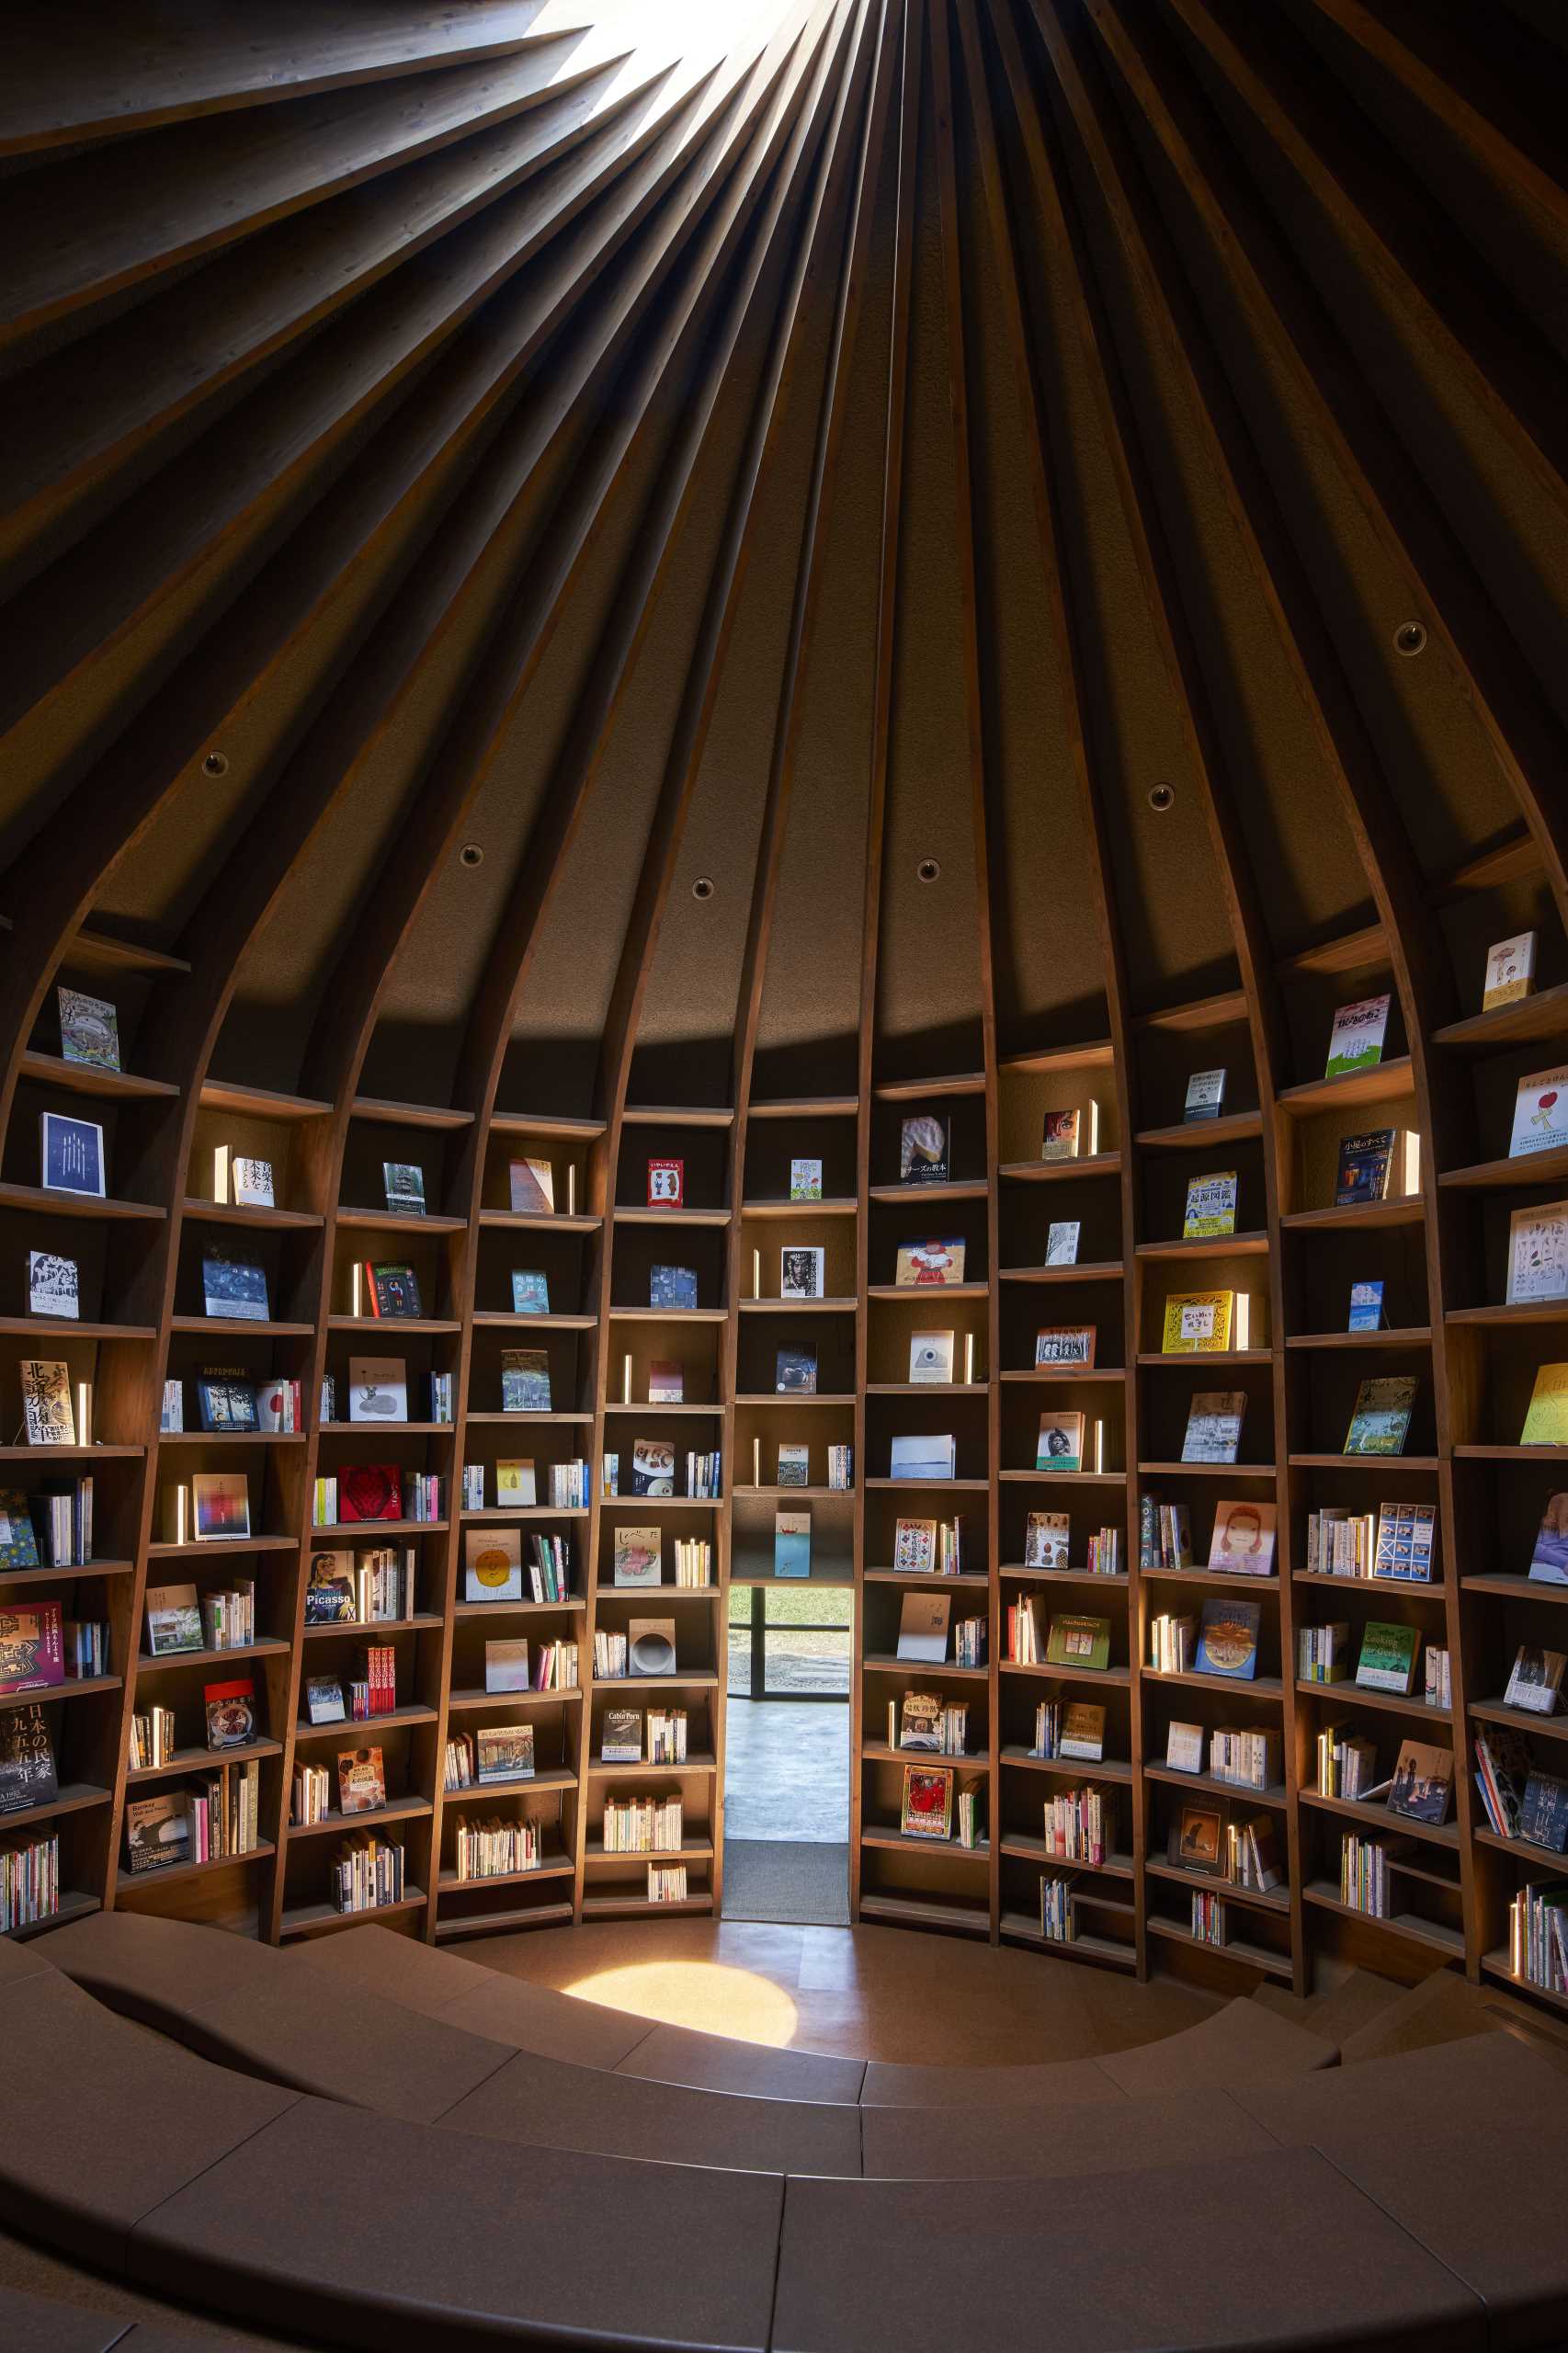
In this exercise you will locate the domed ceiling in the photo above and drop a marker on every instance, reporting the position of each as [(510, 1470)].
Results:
[(550, 548)]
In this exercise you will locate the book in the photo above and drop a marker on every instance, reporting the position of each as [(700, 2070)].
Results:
[(54, 1286), (504, 1753), (234, 1286), (507, 1667), (672, 1286), (330, 1589), (801, 1272), (1060, 1445), (230, 1710), (920, 1722), (174, 1619), (926, 1458), (1082, 1737), (72, 1154), (493, 1565), (1535, 1680), (1203, 1323), (225, 1402), (157, 1832), (1243, 1541), (1382, 1164), (525, 1380), (1062, 1242), (794, 1464), (1213, 1431), (1210, 1206), (1356, 1040), (220, 1504), (792, 1543), (19, 1537), (795, 1372), (1388, 1657), (1543, 1816), (32, 1647), (652, 1467), (931, 1356), (933, 1262), (1227, 1638), (405, 1187), (361, 1781), (1079, 1641), (1406, 1536), (89, 1029), (1538, 1253), (1546, 1420), (1184, 1748), (251, 1183), (1048, 1541), (1510, 970), (637, 1556), (1059, 1136), (1366, 1307), (393, 1292), (621, 1736), (514, 1484), (915, 1546), (926, 1808), (667, 1381), (29, 1775), (370, 1491), (1205, 1095), (48, 1418), (1065, 1343), (378, 1389), (667, 1184), (1381, 1422), (1541, 1114), (1423, 1783), (323, 1700), (651, 1647), (1197, 1838), (923, 1150), (923, 1623), (805, 1180), (530, 1187), (1549, 1555), (530, 1292)]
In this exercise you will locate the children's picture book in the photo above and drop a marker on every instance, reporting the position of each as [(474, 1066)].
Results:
[(931, 1356), (493, 1565), (226, 1402), (923, 1624), (801, 1272), (220, 1501), (506, 1665), (794, 1464), (805, 1180), (1077, 1641), (174, 1619), (667, 1381), (525, 1380), (405, 1186), (1227, 1638), (530, 1185), (234, 1287), (920, 1264), (1388, 1657), (1538, 1253), (915, 1546), (1213, 1431), (514, 1484), (1060, 1446), (1423, 1784), (47, 1415), (1356, 1041), (637, 1556), (1382, 1164), (53, 1285), (1407, 1535), (1381, 1423), (1510, 970), (530, 1292), (672, 1286), (1205, 1095), (1366, 1307), (795, 1372), (924, 1456), (1546, 1420), (1062, 1242), (926, 1809), (1059, 1136), (1535, 1680), (923, 1150), (378, 1389), (792, 1543), (72, 1154), (89, 1029), (652, 1467), (1549, 1557), (1205, 1322), (361, 1781), (1065, 1343), (1210, 1206), (1243, 1541), (1541, 1114), (230, 1709), (32, 1647), (393, 1290), (1048, 1541), (667, 1184)]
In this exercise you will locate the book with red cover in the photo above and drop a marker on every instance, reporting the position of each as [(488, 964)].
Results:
[(32, 1647), (370, 1491), (231, 1712)]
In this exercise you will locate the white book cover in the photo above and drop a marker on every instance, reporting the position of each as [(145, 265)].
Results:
[(1357, 1038), (1205, 1095), (1061, 1243), (923, 1457), (378, 1389), (931, 1356), (801, 1272), (54, 1287), (1510, 970), (1538, 1253), (1214, 1425), (253, 1184), (1541, 1114)]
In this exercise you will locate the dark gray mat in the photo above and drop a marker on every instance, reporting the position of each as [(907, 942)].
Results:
[(777, 1879)]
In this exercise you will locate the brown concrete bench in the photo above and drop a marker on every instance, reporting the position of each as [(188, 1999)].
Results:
[(41, 2325)]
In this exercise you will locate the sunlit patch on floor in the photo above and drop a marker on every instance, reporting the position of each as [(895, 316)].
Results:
[(701, 1994)]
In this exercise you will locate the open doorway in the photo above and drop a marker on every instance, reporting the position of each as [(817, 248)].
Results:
[(787, 1755)]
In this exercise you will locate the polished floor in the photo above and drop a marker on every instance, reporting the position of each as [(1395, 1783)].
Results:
[(786, 1770)]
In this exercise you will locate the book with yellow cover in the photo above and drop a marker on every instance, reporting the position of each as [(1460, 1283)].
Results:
[(1546, 1423), (1204, 1322)]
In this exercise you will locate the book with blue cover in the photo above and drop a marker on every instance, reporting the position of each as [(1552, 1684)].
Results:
[(1227, 1638), (792, 1544)]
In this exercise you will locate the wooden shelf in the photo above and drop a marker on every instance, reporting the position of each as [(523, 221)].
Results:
[(195, 1760), (260, 1102), (1020, 1571), (1381, 1463), (1378, 1817), (546, 1123), (320, 1919), (422, 1221), (807, 1107), (673, 1217), (1195, 1135), (410, 1115), (135, 1883), (957, 1189), (1407, 1335), (269, 1221), (1098, 1271), (1024, 1929), (1212, 1245), (1077, 1768), (1542, 1310), (86, 1079), (1357, 1695), (885, 1662), (1097, 1053), (1238, 1948), (1406, 1210), (394, 1810), (1184, 1360), (1381, 1083), (1509, 1176), (654, 1115), (1543, 1015), (1430, 1933), (924, 1912), (915, 1090), (1118, 1678), (1207, 1470), (1051, 1171), (837, 1206), (1275, 1795), (359, 1729), (44, 1200)]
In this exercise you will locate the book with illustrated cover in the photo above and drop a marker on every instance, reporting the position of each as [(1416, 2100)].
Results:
[(924, 1458), (1227, 1638), (923, 1151), (32, 1647), (493, 1565), (672, 1286), (1059, 1136), (1541, 1114), (1423, 1784), (405, 1187), (1210, 1206), (530, 1187), (1048, 1541), (1065, 1343), (1204, 1322), (920, 1721), (1510, 970), (1062, 1242), (89, 1029), (329, 1591), (1243, 1541), (1381, 1423), (801, 1272), (794, 1465), (226, 1402), (1535, 1679), (667, 1184), (1546, 1422), (19, 1537), (174, 1619), (506, 1665), (1406, 1536), (1548, 1556), (504, 1753), (926, 1810), (1078, 1641), (792, 1543), (637, 1554), (1205, 1095), (515, 1485), (1213, 1431), (230, 1710), (932, 1263), (71, 1153), (652, 1467), (530, 1292), (1197, 1839), (525, 1380), (157, 1832), (323, 1700), (54, 1286), (1356, 1041), (1543, 1816), (931, 1356), (1184, 1748), (620, 1739), (1388, 1657), (1382, 1164), (667, 1381), (1083, 1732), (361, 1781), (393, 1292), (29, 1776), (1538, 1253), (48, 1418), (915, 1546), (1060, 1446), (1366, 1307), (378, 1389), (795, 1372), (924, 1621), (805, 1180)]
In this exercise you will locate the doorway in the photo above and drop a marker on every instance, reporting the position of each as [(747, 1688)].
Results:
[(787, 1755)]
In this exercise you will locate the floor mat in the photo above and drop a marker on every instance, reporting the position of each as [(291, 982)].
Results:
[(778, 1878)]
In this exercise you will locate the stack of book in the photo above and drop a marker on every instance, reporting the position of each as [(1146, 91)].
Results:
[(927, 1723), (1252, 1759), (1502, 1775), (703, 1475), (373, 1691), (971, 1820), (1209, 1919), (1538, 1937), (666, 1883), (222, 1810), (642, 1826), (555, 1668), (87, 1648), (1028, 1630), (550, 1570), (694, 1562), (1363, 1875), (1252, 1857), (609, 1657), (152, 1738), (1057, 1922), (667, 1735), (313, 1795), (368, 1873), (423, 1495), (1395, 1542), (496, 1850), (1080, 1825), (383, 1583), (65, 1524), (30, 1881), (1164, 1535), (1323, 1653), (1173, 1644), (1347, 1763), (228, 1618)]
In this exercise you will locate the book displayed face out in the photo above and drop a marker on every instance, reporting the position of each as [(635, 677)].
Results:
[(923, 1151), (931, 1262)]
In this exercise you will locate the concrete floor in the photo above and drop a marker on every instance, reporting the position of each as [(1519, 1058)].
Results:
[(786, 1770)]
